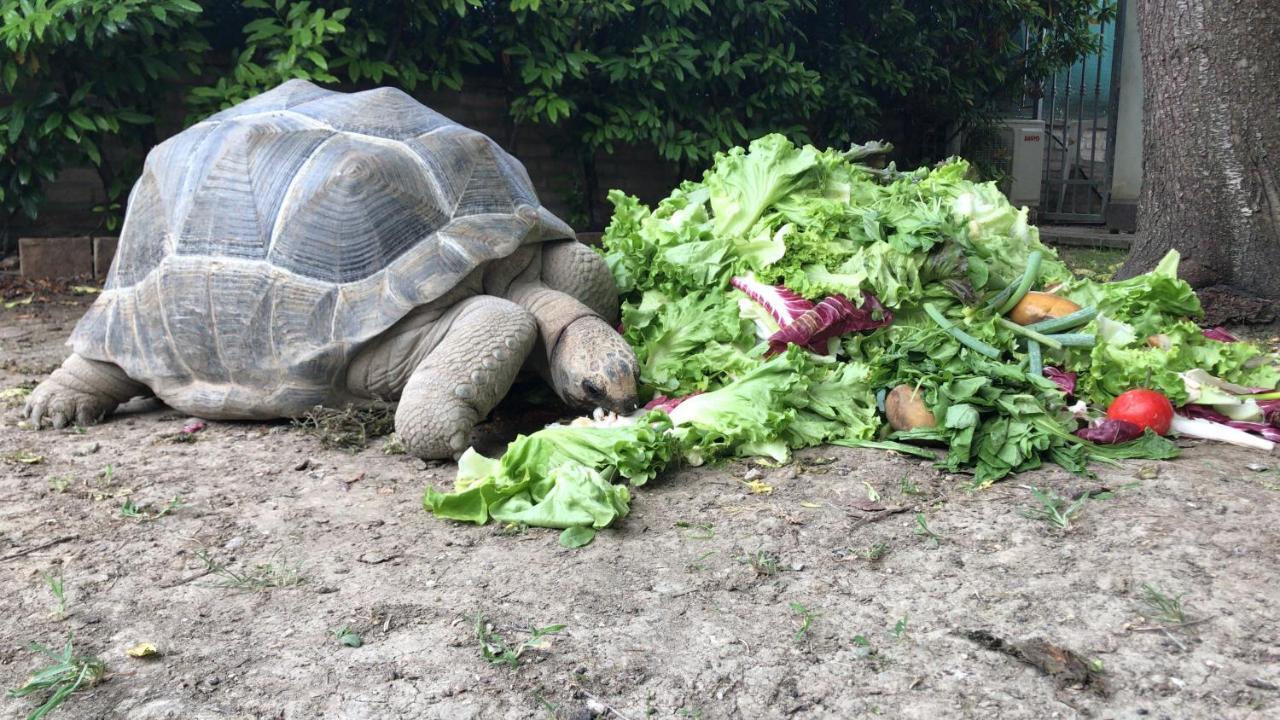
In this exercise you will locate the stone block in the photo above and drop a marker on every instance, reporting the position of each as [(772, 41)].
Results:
[(55, 257), (104, 250)]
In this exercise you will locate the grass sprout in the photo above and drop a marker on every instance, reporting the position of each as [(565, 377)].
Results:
[(1056, 511), (498, 651), (259, 578), (1163, 607), (67, 673)]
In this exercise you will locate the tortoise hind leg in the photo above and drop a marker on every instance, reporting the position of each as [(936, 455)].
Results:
[(82, 391), (463, 377), (577, 270)]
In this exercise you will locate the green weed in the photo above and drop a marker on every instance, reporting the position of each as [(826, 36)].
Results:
[(1056, 511), (68, 673), (260, 578), (922, 529), (899, 628), (58, 591), (807, 616), (497, 651), (764, 563), (1162, 607), (142, 512)]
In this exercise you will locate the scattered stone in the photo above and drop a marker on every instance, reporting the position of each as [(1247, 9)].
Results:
[(234, 543), (306, 463), (87, 449), (1258, 467)]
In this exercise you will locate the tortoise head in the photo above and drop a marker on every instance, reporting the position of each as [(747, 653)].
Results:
[(592, 366)]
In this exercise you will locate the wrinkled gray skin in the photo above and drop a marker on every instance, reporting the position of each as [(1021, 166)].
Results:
[(310, 247)]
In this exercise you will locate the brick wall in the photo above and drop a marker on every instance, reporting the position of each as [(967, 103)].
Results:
[(556, 173)]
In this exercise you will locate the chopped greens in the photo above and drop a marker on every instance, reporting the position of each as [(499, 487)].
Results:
[(773, 303)]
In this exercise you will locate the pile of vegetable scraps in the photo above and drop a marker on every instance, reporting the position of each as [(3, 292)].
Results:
[(796, 297)]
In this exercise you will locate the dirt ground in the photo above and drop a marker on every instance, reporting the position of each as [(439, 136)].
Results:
[(709, 601)]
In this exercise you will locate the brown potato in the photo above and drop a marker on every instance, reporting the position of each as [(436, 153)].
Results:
[(906, 409), (1037, 306)]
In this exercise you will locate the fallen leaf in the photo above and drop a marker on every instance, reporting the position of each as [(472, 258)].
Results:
[(85, 289), (15, 303), (1067, 667), (24, 456), (142, 649), (810, 505), (577, 536), (757, 487)]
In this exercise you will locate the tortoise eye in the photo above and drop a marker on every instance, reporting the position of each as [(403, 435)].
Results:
[(591, 389)]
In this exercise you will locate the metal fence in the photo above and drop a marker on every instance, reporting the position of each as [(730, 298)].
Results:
[(1079, 109)]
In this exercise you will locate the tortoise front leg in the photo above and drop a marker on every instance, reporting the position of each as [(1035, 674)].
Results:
[(464, 376), (82, 391)]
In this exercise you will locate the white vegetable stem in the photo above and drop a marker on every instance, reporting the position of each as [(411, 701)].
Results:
[(1209, 430)]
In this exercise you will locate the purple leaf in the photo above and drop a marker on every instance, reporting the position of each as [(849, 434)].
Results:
[(1204, 412), (193, 426), (1065, 380), (832, 317), (667, 404), (1271, 411), (784, 305), (1221, 335), (1110, 432)]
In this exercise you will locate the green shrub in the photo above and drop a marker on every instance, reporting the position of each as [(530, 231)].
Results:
[(685, 77)]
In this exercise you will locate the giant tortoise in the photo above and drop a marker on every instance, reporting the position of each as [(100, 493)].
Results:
[(310, 247)]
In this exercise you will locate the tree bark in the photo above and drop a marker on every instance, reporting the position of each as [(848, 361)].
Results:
[(1211, 148)]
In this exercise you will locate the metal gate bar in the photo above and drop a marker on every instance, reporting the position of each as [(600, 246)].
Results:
[(1076, 185)]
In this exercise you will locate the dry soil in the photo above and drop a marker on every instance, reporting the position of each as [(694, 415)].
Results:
[(736, 592)]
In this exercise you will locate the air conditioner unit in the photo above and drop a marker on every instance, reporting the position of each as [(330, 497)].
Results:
[(1011, 151)]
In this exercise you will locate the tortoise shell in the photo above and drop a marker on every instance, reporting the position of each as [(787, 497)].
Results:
[(264, 246)]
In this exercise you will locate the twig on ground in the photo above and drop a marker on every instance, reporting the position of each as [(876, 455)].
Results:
[(28, 551)]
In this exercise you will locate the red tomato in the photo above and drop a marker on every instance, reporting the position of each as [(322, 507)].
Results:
[(1144, 408)]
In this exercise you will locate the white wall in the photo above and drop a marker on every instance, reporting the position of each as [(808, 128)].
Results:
[(1127, 180)]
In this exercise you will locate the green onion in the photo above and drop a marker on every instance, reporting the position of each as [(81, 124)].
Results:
[(1076, 339), (1035, 358), (1030, 334), (1066, 322), (1001, 297), (1028, 279), (961, 336)]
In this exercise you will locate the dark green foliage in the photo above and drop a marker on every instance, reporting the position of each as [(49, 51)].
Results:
[(685, 77)]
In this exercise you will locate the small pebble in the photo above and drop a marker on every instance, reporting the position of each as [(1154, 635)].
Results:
[(306, 463), (1258, 467), (234, 543)]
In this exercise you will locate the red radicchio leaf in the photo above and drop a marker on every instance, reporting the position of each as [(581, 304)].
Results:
[(667, 404), (1270, 411), (193, 426), (1110, 432), (784, 305), (1065, 380), (832, 317), (1204, 412), (1221, 335)]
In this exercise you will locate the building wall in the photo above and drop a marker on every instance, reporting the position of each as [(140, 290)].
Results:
[(1126, 180)]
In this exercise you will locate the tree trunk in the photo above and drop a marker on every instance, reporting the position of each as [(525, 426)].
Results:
[(1211, 149)]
